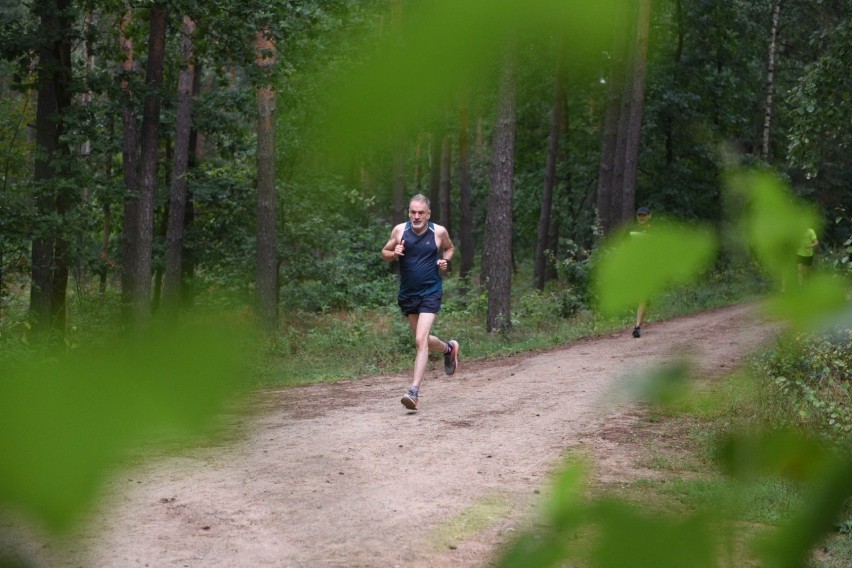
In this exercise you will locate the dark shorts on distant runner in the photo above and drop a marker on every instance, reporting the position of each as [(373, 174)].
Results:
[(428, 305), (806, 260)]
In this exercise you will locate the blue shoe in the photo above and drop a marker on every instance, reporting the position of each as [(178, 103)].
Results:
[(451, 359), (409, 399)]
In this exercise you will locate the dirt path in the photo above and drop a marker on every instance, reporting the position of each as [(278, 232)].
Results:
[(343, 476)]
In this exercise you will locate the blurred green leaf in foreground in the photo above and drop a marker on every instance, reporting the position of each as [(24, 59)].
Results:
[(601, 532), (773, 225), (444, 51), (636, 268), (67, 422), (607, 533)]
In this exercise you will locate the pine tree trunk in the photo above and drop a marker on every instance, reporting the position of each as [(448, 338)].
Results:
[(267, 251), (616, 204), (615, 87), (498, 223), (130, 161), (466, 208), (148, 162), (49, 248), (770, 80), (446, 206), (398, 182), (637, 105), (556, 120), (435, 172), (177, 201)]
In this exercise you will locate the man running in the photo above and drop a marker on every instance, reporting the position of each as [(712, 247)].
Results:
[(416, 244), (643, 220)]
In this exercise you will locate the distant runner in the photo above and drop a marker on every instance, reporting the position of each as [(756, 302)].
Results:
[(416, 244), (643, 218), (805, 255)]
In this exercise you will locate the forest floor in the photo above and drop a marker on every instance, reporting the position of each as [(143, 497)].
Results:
[(342, 475)]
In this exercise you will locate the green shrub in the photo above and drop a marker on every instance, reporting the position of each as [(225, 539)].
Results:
[(807, 382)]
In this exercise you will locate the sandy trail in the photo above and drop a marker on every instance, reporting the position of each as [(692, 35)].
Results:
[(342, 475)]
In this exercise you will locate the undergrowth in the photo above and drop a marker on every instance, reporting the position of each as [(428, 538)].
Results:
[(803, 384), (346, 345)]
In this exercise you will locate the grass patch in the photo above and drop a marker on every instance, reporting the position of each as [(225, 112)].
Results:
[(346, 345), (680, 443), (330, 346), (484, 513)]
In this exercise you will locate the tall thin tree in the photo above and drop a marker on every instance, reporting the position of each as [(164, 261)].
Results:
[(148, 162), (615, 87), (130, 164), (177, 201), (770, 79), (622, 130), (398, 183), (556, 121), (465, 199), (267, 251), (435, 171), (638, 69), (445, 185), (50, 249), (498, 223)]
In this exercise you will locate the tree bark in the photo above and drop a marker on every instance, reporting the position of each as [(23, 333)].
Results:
[(466, 209), (267, 252), (616, 204), (615, 87), (617, 187), (398, 183), (446, 206), (556, 121), (637, 105), (770, 80), (49, 248), (177, 202), (130, 164), (435, 172), (498, 223), (148, 161)]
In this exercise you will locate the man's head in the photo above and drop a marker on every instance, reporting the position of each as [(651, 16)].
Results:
[(418, 212), (643, 215)]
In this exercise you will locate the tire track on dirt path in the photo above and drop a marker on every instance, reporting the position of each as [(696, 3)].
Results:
[(342, 475)]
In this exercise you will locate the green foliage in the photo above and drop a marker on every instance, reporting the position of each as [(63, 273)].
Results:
[(821, 102), (773, 224), (443, 50), (639, 268), (700, 93), (600, 531), (807, 381), (619, 534), (69, 420), (774, 221), (330, 249)]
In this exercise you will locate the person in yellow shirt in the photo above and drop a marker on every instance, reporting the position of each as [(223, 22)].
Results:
[(805, 255), (643, 224)]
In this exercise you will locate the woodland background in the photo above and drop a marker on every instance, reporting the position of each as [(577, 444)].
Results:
[(168, 162), (160, 155)]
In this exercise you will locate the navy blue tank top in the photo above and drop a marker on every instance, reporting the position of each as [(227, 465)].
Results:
[(418, 268)]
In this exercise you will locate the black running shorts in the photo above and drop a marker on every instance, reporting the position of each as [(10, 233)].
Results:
[(428, 305)]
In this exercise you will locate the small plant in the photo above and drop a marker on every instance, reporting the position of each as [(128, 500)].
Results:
[(808, 384)]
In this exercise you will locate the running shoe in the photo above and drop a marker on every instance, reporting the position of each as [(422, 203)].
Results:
[(409, 399), (451, 359), (637, 332)]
